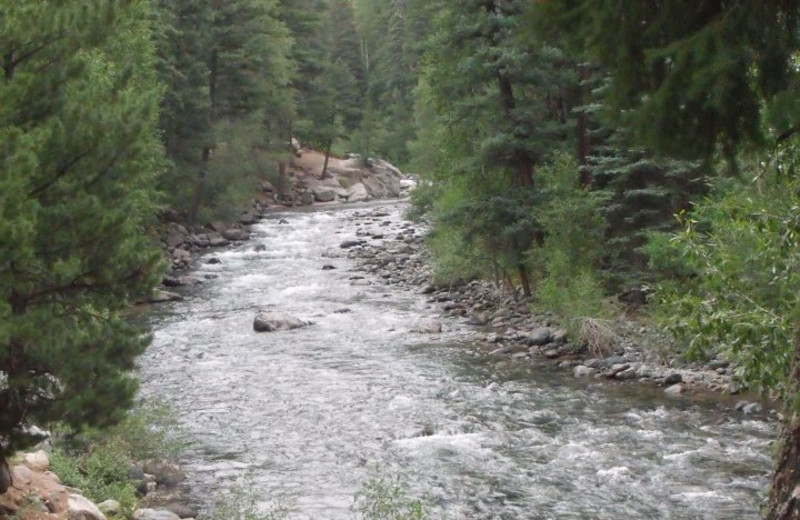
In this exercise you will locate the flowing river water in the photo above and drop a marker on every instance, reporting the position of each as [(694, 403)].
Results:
[(312, 414)]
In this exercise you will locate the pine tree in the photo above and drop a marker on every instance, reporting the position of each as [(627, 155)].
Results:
[(78, 157), (227, 72), (505, 107), (691, 77)]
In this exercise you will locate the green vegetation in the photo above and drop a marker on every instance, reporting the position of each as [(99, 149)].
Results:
[(79, 155), (387, 499), (556, 142), (240, 502), (99, 462)]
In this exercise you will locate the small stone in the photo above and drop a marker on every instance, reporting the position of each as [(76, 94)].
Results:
[(429, 327), (559, 336), (538, 337), (328, 267), (674, 390), (673, 379), (213, 261), (110, 507), (181, 510), (752, 408), (478, 320), (349, 244), (616, 369), (154, 514), (583, 371), (551, 354)]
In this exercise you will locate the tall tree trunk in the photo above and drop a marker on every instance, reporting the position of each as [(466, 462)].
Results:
[(584, 144), (523, 159), (8, 65), (282, 167), (327, 158), (199, 188), (784, 497)]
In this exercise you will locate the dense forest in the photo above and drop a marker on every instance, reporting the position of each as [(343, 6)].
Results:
[(579, 152)]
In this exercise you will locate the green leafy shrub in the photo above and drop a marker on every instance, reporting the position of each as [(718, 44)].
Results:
[(567, 261), (98, 461), (240, 502), (101, 473), (387, 499), (741, 298)]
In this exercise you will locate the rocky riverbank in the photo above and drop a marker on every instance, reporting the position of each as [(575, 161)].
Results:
[(506, 329), (37, 493), (349, 180)]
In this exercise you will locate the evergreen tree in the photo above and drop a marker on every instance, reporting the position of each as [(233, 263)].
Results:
[(687, 77), (78, 157), (226, 67), (505, 107)]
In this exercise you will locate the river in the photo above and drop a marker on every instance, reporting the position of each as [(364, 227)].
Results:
[(309, 415)]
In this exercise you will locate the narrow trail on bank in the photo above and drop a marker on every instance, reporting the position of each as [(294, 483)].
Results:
[(313, 413)]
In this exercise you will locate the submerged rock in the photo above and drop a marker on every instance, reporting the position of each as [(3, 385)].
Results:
[(276, 321), (428, 327)]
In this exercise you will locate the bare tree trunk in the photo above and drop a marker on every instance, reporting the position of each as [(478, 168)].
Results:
[(327, 158)]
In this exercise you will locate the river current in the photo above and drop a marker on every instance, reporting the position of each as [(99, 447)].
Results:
[(310, 415)]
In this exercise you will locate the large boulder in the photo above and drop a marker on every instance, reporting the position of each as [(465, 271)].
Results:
[(38, 461), (235, 234), (306, 198), (276, 321), (324, 195), (81, 508), (357, 193)]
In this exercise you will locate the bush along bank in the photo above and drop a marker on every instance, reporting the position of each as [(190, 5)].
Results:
[(128, 471), (509, 328)]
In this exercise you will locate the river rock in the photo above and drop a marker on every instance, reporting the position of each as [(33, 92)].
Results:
[(164, 472), (538, 337), (306, 198), (357, 193), (235, 234), (673, 378), (110, 507), (428, 327), (37, 461), (348, 244), (478, 319), (160, 296), (324, 194), (154, 514), (81, 508), (674, 390), (249, 218), (583, 371), (181, 510), (275, 321)]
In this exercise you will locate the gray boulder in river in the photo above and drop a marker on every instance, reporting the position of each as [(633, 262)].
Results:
[(276, 321)]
